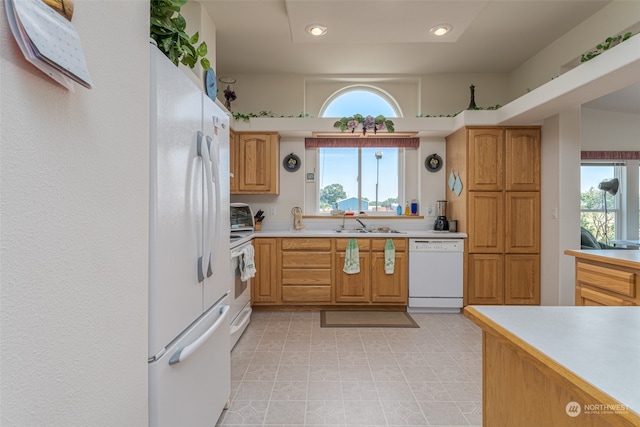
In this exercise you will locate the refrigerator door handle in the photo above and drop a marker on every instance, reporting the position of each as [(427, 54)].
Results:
[(215, 182), (203, 261), (184, 352)]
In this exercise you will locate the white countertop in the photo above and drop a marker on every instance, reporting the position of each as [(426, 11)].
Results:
[(599, 344), (332, 233)]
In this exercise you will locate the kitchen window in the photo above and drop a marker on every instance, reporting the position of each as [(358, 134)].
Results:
[(360, 174), (342, 188), (593, 216)]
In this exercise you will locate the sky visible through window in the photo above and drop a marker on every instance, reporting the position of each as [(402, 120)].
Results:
[(341, 165), (359, 102), (592, 176)]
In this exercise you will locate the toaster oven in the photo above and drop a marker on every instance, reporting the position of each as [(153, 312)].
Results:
[(241, 217)]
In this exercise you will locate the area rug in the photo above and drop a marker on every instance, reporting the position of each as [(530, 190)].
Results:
[(366, 319)]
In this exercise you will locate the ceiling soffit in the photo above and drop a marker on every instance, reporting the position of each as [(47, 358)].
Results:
[(353, 22)]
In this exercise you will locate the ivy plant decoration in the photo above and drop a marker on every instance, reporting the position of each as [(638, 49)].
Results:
[(168, 30), (368, 123), (606, 45)]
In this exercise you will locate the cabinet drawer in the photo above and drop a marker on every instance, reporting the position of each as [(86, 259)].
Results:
[(306, 259), (307, 276), (591, 297), (306, 294), (297, 243), (378, 244), (618, 281), (363, 244)]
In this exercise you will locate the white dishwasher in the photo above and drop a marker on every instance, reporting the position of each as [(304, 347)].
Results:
[(435, 275)]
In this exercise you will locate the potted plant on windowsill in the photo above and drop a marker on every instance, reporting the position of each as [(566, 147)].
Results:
[(167, 29)]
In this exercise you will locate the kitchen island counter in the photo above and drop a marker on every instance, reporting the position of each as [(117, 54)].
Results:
[(607, 277), (560, 365), (615, 257)]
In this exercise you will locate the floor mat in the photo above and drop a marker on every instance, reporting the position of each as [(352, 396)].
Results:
[(366, 319)]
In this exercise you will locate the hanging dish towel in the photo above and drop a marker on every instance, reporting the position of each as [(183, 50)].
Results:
[(389, 256), (247, 266), (352, 258)]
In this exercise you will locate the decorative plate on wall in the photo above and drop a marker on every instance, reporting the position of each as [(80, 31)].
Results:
[(433, 163), (211, 84), (291, 163)]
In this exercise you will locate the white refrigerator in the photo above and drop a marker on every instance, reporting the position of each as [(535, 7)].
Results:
[(189, 278)]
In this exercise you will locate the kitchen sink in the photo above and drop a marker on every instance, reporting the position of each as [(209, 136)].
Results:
[(369, 231)]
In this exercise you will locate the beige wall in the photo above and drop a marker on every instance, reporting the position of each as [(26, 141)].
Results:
[(606, 130), (74, 215), (616, 17)]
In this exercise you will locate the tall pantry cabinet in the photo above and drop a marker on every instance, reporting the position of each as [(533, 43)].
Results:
[(499, 209)]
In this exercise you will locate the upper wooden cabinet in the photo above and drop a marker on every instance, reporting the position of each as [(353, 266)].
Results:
[(254, 163), (486, 152), (522, 165)]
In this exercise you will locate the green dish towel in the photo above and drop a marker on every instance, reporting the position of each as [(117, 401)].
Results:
[(352, 258), (389, 256)]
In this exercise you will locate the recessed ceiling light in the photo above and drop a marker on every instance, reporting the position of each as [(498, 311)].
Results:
[(316, 29), (440, 30)]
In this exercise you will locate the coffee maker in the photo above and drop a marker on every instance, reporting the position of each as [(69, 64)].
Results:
[(441, 223)]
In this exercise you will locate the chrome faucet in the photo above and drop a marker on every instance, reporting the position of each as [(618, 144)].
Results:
[(343, 218)]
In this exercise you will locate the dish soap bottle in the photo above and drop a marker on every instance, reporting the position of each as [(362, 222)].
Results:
[(407, 210)]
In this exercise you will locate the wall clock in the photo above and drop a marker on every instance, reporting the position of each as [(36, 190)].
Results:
[(211, 84)]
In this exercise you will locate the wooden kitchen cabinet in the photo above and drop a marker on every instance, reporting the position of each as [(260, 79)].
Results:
[(485, 279), (607, 277), (522, 154), (306, 270), (522, 279), (499, 209), (389, 288), (353, 288), (486, 219), (264, 286), (233, 162), (522, 225), (255, 163), (485, 151)]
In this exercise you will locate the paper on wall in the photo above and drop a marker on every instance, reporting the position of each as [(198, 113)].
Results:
[(48, 41)]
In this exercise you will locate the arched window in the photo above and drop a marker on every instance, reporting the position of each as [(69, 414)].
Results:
[(361, 179), (360, 99)]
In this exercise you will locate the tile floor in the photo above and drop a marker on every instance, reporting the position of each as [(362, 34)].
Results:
[(288, 371)]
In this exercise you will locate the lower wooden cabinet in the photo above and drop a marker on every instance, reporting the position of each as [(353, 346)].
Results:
[(389, 288), (353, 288), (264, 286), (601, 284), (306, 270), (485, 280), (309, 271), (503, 279)]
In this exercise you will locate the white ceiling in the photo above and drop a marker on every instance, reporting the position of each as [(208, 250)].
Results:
[(391, 37)]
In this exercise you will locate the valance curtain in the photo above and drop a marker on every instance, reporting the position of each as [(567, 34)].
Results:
[(610, 155), (370, 142)]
